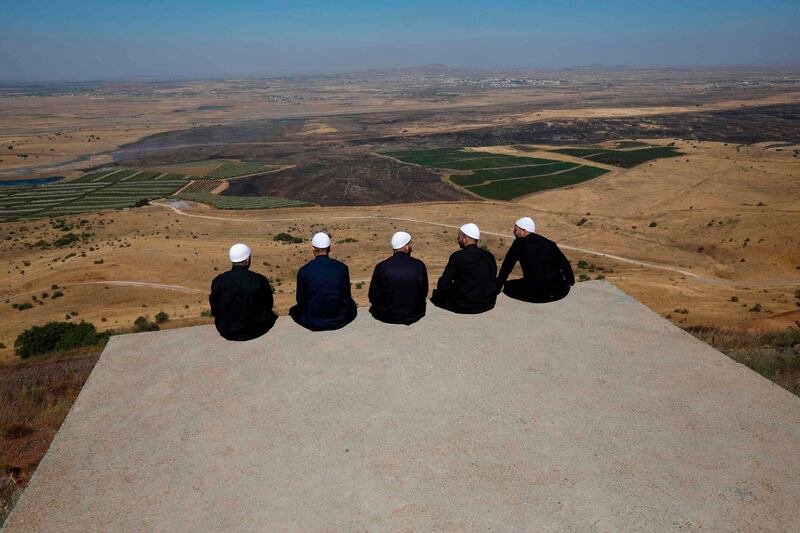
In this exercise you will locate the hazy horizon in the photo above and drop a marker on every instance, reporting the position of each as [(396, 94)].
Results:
[(54, 40)]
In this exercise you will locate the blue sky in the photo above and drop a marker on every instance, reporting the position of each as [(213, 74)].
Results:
[(56, 39)]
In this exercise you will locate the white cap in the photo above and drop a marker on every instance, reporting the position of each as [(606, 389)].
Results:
[(400, 239), (471, 230), (239, 252), (527, 224), (321, 240)]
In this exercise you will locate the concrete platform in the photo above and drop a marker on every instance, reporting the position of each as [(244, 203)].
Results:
[(588, 414)]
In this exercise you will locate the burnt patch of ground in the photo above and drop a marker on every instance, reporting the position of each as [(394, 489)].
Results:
[(348, 178), (743, 126)]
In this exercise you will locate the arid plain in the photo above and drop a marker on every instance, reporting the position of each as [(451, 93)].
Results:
[(707, 238), (716, 223)]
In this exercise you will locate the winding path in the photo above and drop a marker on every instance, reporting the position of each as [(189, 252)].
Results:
[(697, 277)]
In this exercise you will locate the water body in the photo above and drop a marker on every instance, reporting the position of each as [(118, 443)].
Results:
[(36, 181)]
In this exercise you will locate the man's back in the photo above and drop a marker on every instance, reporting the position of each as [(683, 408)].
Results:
[(398, 289), (324, 299), (468, 282), (241, 303), (543, 264)]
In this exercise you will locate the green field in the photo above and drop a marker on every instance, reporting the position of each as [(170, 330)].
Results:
[(501, 177), (454, 159), (202, 186), (215, 168), (511, 188), (240, 202), (620, 158), (104, 189), (632, 158), (232, 169), (476, 178)]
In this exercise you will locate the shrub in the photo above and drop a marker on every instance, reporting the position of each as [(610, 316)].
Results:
[(141, 203), (23, 307), (57, 294), (66, 240), (652, 225), (583, 264), (53, 336), (583, 277), (99, 261), (286, 237), (348, 239), (582, 221), (142, 324), (162, 317)]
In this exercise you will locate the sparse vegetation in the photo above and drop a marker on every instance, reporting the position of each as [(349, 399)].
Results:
[(241, 202), (771, 354), (287, 238), (143, 324)]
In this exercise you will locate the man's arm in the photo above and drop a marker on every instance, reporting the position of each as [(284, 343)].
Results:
[(213, 298), (445, 283), (424, 284), (566, 268), (373, 285), (299, 292), (508, 264)]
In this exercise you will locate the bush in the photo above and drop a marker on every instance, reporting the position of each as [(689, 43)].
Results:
[(162, 317), (652, 225), (582, 221), (57, 294), (54, 336), (66, 240), (286, 237), (142, 324)]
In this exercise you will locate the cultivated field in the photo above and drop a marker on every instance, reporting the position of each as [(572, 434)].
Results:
[(500, 177), (216, 169)]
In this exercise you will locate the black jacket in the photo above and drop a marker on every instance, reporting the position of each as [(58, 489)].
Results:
[(544, 266), (241, 303), (468, 282), (324, 300), (398, 289)]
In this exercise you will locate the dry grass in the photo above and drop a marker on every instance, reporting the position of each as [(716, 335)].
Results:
[(771, 354), (35, 397)]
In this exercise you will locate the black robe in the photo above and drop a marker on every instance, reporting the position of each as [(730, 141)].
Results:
[(241, 303), (398, 289), (546, 272), (468, 282)]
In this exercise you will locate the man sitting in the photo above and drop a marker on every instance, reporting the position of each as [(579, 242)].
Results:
[(467, 284), (324, 301), (546, 273), (399, 285), (241, 300)]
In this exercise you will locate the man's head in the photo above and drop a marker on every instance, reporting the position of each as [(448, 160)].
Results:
[(320, 244), (468, 234), (240, 255), (401, 242), (524, 227)]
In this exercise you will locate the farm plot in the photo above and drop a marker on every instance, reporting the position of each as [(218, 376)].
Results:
[(508, 189), (481, 176), (241, 202), (460, 160), (107, 189), (215, 168), (501, 177), (202, 186), (621, 158)]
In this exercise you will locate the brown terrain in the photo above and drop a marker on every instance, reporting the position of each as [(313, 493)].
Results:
[(709, 239)]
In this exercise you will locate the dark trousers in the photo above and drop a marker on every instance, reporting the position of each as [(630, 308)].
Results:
[(519, 289), (445, 300)]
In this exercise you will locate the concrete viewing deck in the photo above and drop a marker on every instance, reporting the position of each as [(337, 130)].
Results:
[(592, 413)]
